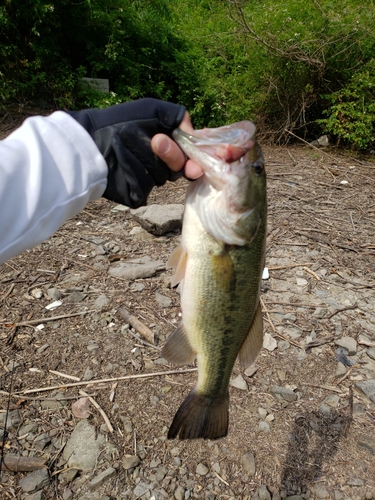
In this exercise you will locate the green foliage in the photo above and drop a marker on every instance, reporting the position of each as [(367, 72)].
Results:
[(351, 114)]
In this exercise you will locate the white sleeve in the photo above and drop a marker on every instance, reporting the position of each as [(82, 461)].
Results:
[(50, 168)]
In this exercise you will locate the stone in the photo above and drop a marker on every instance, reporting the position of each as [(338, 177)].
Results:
[(332, 400), (137, 268), (320, 491), (130, 462), (159, 219), (201, 469), (162, 300), (347, 343), (89, 374), (38, 495), (248, 463), (35, 481), (179, 494), (76, 297), (368, 388), (269, 343), (340, 370), (101, 302), (264, 426), (283, 393), (141, 489), (371, 352), (83, 447), (41, 441), (67, 494), (355, 481), (54, 294), (239, 383), (320, 312), (102, 478), (368, 443), (263, 493)]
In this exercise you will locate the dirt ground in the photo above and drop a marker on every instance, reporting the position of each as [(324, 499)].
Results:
[(321, 229)]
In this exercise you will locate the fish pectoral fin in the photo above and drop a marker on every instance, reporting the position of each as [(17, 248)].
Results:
[(178, 349), (177, 260), (253, 342)]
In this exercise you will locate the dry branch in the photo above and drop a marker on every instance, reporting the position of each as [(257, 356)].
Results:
[(21, 464), (135, 323)]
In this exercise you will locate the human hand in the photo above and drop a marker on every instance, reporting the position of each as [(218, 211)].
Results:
[(171, 154), (123, 135)]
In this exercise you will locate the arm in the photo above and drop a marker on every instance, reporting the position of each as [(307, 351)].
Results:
[(49, 170)]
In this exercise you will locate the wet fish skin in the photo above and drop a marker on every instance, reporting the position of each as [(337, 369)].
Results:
[(220, 260)]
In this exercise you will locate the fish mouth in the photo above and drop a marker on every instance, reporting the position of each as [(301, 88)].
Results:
[(224, 144)]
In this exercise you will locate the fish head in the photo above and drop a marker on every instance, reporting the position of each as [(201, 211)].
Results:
[(233, 176)]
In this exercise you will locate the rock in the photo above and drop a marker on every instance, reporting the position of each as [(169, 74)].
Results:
[(130, 462), (355, 481), (201, 469), (76, 297), (371, 352), (239, 383), (35, 481), (159, 219), (12, 420), (179, 494), (101, 302), (139, 234), (89, 374), (368, 388), (102, 478), (264, 426), (283, 393), (321, 491), (141, 489), (41, 441), (162, 300), (137, 268), (332, 400), (368, 443), (269, 342), (340, 370), (347, 343), (67, 495), (301, 281), (83, 447), (54, 294), (216, 467), (248, 463), (321, 142), (320, 312), (38, 495), (263, 493)]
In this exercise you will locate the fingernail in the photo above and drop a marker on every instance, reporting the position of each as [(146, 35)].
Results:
[(164, 146)]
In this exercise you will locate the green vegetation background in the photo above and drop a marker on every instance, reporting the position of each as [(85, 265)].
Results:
[(301, 66)]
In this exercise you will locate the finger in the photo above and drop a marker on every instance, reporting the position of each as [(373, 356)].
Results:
[(193, 170), (168, 151)]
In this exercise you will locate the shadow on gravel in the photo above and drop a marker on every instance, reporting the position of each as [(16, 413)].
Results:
[(313, 441)]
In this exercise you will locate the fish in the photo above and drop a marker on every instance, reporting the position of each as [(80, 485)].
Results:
[(219, 263)]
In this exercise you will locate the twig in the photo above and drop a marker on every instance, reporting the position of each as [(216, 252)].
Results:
[(45, 320), (288, 266), (311, 272), (38, 398), (8, 292), (107, 380), (135, 323), (343, 309), (22, 464), (220, 478), (71, 377), (143, 342), (112, 393), (325, 387), (268, 315), (345, 376), (296, 304), (351, 218), (101, 411)]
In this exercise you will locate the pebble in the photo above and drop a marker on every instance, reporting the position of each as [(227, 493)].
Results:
[(269, 342), (239, 383), (371, 352), (201, 469), (162, 300), (320, 491), (264, 426), (179, 494), (368, 388), (368, 443), (102, 478), (340, 370), (332, 400), (89, 374), (263, 493), (67, 494), (137, 268), (284, 393), (76, 297), (101, 302), (54, 293), (355, 481), (320, 312), (35, 481), (159, 219), (131, 461), (83, 447), (347, 343)]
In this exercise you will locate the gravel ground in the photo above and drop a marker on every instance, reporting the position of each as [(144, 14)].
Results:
[(301, 420)]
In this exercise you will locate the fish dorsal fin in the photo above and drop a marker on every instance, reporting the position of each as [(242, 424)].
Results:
[(178, 260), (178, 349), (253, 342)]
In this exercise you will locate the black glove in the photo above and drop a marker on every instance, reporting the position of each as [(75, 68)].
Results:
[(123, 135)]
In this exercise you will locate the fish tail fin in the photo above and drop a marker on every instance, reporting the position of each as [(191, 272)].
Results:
[(201, 417)]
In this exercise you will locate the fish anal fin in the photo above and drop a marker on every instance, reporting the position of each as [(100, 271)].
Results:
[(178, 260), (177, 349), (201, 417), (253, 342)]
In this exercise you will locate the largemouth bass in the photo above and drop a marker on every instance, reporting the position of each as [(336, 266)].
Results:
[(220, 262)]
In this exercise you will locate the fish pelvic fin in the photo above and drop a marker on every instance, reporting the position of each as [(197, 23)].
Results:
[(201, 417), (177, 260), (177, 349), (253, 342)]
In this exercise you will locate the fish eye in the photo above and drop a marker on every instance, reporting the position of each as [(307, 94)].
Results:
[(258, 167)]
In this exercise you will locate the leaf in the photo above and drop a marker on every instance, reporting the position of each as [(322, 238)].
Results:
[(80, 408)]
